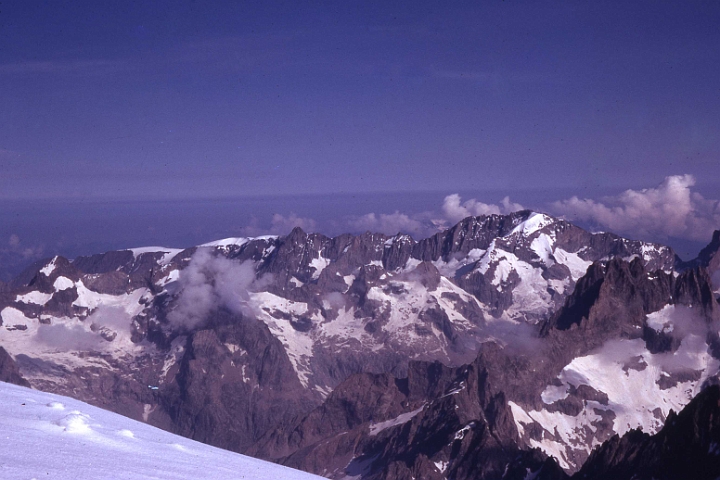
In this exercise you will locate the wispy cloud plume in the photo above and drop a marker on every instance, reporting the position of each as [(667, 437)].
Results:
[(671, 209), (210, 282), (455, 210)]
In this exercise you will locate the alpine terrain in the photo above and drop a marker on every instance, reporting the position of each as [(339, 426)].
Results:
[(512, 346)]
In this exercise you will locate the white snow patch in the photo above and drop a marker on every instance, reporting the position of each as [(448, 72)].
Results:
[(319, 264), (36, 297), (298, 345), (401, 419), (49, 268), (349, 279), (173, 276), (662, 319), (542, 245), (346, 329), (577, 266), (169, 253), (535, 222), (12, 316), (74, 422), (460, 434), (553, 449), (633, 395), (650, 252), (530, 296), (520, 417), (412, 264), (63, 283), (127, 301), (228, 242)]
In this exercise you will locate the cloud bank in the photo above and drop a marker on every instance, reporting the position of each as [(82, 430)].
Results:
[(211, 282), (671, 209), (427, 223), (455, 211)]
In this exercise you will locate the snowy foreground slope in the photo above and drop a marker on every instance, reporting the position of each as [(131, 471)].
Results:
[(51, 436)]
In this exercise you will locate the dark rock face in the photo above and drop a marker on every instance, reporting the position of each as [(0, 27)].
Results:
[(439, 422), (8, 370), (688, 446), (233, 384), (614, 300), (709, 257)]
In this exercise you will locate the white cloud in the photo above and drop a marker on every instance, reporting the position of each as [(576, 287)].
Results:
[(210, 282), (671, 209), (424, 224), (455, 211)]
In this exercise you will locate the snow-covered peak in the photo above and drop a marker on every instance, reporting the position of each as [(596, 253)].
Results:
[(169, 253), (237, 241), (228, 242), (535, 222)]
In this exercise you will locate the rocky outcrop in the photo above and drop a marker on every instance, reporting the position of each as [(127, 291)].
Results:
[(439, 422), (8, 370), (233, 383)]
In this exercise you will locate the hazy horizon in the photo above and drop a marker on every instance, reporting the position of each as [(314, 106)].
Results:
[(35, 229)]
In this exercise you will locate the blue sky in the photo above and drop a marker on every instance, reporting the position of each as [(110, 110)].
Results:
[(173, 101)]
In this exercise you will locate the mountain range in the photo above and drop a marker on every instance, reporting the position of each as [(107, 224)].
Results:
[(508, 346)]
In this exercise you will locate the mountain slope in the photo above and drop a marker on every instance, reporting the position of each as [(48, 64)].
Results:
[(50, 436), (249, 343)]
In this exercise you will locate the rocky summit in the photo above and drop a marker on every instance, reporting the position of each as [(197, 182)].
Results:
[(508, 346)]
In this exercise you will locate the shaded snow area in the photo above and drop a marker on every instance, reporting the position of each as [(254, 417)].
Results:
[(402, 419), (630, 388), (50, 436), (64, 339)]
